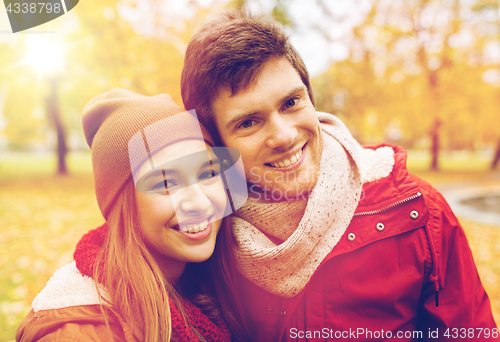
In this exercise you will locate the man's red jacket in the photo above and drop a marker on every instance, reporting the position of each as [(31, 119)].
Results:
[(403, 269)]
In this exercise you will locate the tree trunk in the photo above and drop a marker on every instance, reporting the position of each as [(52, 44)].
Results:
[(435, 145), (496, 159), (55, 118)]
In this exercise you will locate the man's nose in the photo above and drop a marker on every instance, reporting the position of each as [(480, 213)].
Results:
[(193, 200), (281, 132)]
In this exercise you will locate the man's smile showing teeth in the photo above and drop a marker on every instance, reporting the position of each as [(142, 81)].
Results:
[(287, 162), (195, 228)]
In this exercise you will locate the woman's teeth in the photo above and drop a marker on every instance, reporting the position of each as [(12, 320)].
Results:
[(194, 228), (284, 163)]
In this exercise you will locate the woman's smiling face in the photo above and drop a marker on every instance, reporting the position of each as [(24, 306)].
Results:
[(181, 202)]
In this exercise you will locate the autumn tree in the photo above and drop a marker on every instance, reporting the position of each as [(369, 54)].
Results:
[(107, 45), (489, 12), (419, 64)]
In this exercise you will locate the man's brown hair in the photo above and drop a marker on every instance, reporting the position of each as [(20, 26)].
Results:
[(229, 52)]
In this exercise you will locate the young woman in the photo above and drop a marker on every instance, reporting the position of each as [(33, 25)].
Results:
[(142, 276)]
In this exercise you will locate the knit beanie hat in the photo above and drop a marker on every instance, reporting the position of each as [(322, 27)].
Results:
[(124, 129)]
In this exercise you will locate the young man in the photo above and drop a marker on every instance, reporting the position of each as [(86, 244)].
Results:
[(337, 241)]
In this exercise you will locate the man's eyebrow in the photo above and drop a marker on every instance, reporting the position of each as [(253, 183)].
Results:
[(283, 99), (292, 92), (238, 118)]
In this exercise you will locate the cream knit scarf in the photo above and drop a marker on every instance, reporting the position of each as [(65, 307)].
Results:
[(280, 245)]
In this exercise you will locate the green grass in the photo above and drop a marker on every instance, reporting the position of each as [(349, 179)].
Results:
[(450, 161), (16, 165), (44, 215)]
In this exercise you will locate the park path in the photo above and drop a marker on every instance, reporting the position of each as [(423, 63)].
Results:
[(478, 201)]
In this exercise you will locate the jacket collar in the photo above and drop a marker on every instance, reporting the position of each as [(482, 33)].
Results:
[(394, 187)]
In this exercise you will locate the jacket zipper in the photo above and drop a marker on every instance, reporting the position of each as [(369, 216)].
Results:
[(390, 206), (404, 200)]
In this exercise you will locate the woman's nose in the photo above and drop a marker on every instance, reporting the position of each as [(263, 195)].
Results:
[(194, 200)]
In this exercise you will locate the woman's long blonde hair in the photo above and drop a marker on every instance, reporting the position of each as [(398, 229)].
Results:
[(138, 290), (136, 286)]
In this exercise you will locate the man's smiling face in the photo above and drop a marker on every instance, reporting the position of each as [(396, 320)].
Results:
[(273, 124)]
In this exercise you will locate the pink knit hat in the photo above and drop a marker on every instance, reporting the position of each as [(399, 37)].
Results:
[(124, 129)]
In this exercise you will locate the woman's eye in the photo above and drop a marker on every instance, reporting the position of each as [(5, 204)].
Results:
[(209, 174), (246, 124), (165, 184), (290, 103)]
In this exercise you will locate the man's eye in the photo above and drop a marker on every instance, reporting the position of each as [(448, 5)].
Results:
[(246, 124), (290, 103)]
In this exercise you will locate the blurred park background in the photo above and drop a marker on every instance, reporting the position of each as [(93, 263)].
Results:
[(424, 74)]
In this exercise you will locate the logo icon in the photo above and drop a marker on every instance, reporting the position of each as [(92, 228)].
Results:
[(25, 14)]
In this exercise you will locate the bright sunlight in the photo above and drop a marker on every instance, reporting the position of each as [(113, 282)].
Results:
[(45, 55)]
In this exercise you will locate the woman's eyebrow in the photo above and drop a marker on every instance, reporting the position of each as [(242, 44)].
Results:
[(211, 161), (158, 172)]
